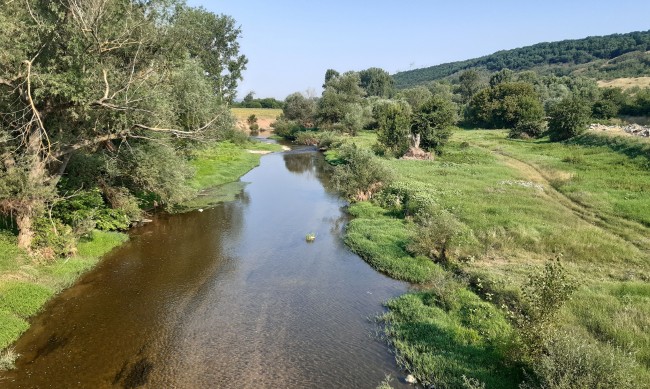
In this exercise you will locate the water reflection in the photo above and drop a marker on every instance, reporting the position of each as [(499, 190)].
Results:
[(231, 297)]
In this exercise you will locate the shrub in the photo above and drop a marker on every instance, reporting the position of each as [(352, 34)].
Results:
[(543, 296), (570, 361), (568, 118), (53, 239), (440, 236), (286, 129), (361, 174)]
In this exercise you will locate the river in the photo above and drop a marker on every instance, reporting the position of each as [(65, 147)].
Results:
[(230, 297)]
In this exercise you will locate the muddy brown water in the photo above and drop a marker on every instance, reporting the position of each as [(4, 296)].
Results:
[(232, 297)]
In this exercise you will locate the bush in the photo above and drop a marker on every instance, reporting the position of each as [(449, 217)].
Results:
[(87, 210), (530, 129), (287, 129), (53, 239), (572, 362), (568, 118), (440, 236), (543, 296), (361, 174)]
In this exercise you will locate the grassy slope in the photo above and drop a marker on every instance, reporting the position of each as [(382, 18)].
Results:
[(25, 286), (525, 202)]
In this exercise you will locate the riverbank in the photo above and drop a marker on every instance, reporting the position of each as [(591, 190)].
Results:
[(510, 206), (26, 285)]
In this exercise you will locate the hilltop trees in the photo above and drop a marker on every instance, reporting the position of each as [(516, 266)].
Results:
[(114, 79)]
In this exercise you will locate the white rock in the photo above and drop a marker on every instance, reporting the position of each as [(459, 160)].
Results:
[(410, 379)]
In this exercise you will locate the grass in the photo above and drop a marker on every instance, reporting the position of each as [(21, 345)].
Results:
[(226, 162), (260, 113), (26, 286), (524, 202), (626, 83)]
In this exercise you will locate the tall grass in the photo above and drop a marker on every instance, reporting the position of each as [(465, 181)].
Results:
[(524, 202)]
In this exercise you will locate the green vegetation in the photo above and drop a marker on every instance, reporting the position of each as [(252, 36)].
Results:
[(603, 57), (25, 286), (477, 227)]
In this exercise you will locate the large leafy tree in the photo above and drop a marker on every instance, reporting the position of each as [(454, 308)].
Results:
[(431, 124), (376, 82), (78, 76), (213, 39), (393, 119), (341, 103)]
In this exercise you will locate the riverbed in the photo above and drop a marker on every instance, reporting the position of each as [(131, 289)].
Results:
[(233, 296)]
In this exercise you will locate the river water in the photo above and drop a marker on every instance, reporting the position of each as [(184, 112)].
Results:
[(232, 297)]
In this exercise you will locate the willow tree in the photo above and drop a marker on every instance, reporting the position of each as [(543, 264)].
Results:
[(79, 75)]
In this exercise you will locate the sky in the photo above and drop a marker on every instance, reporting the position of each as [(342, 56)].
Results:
[(290, 44)]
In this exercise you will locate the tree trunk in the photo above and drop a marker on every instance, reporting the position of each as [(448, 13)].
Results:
[(25, 232)]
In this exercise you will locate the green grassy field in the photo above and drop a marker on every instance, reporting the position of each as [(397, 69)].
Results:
[(524, 202)]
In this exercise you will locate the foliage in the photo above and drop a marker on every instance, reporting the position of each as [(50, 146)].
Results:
[(340, 105), (555, 57), (287, 129), (568, 118), (441, 237), (543, 296), (469, 84), (506, 105), (393, 125), (139, 89), (300, 109), (571, 362), (361, 174), (376, 82), (433, 121), (416, 96), (88, 210), (53, 239)]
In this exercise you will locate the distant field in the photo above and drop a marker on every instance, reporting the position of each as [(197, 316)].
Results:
[(260, 113), (265, 117), (626, 83)]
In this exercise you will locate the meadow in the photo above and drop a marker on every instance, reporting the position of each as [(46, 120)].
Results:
[(516, 205)]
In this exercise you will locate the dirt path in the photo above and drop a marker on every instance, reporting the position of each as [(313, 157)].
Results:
[(629, 230)]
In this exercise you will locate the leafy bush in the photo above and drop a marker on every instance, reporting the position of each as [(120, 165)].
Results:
[(441, 236), (568, 118), (286, 129), (543, 296), (53, 239), (361, 174), (329, 139), (433, 121), (87, 211), (571, 362)]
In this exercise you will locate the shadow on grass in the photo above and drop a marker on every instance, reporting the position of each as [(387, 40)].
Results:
[(441, 346), (630, 147)]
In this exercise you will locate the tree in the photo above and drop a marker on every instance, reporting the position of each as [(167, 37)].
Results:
[(300, 109), (330, 74), (568, 118), (504, 75), (79, 76), (416, 96), (431, 124), (249, 97), (393, 125), (469, 84), (506, 105), (340, 105), (376, 82), (213, 39)]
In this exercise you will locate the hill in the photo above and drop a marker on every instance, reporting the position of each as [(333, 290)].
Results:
[(601, 57)]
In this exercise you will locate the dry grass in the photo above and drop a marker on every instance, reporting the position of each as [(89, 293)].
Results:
[(626, 83), (265, 117)]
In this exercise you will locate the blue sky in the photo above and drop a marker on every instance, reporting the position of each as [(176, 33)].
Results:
[(290, 44)]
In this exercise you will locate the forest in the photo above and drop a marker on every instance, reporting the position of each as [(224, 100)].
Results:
[(600, 57)]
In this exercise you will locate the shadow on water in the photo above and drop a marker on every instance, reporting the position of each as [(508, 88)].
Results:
[(230, 297)]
